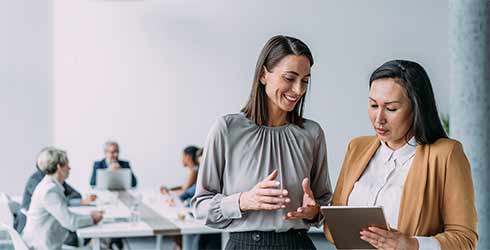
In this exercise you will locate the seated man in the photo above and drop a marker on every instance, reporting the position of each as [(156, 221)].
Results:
[(73, 197), (48, 219), (111, 161)]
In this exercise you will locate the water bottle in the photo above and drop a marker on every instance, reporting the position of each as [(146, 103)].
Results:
[(135, 213)]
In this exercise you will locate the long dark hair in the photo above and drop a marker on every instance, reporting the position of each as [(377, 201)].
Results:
[(426, 125), (192, 151), (274, 51)]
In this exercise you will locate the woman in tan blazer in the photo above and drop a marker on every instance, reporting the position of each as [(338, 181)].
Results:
[(420, 177)]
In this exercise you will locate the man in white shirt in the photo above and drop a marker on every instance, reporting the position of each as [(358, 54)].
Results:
[(48, 219)]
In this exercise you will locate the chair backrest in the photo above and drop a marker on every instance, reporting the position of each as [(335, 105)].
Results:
[(10, 239), (6, 215)]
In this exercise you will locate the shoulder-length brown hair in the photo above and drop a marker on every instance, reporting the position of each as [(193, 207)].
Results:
[(274, 51)]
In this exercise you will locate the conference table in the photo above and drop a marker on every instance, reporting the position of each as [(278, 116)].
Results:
[(157, 218)]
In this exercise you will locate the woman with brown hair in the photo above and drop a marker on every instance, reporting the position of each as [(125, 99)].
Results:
[(411, 168), (264, 171)]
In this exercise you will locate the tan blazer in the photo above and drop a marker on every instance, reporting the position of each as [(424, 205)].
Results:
[(438, 195)]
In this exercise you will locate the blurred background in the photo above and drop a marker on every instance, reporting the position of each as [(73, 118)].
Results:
[(154, 75)]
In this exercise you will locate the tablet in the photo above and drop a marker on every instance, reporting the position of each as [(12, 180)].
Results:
[(345, 224)]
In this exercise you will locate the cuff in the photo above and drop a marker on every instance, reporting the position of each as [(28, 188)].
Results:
[(85, 220), (428, 243), (74, 202), (317, 221), (230, 206)]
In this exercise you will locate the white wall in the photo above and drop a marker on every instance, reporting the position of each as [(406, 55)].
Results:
[(25, 88), (154, 75)]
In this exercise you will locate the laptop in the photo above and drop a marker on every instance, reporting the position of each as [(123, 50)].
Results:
[(117, 179)]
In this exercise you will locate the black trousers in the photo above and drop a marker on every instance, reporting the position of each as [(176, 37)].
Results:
[(257, 240)]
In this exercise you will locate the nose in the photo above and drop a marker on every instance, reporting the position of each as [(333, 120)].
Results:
[(298, 88), (380, 117)]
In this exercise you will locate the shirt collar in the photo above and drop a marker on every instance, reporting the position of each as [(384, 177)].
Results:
[(58, 184), (401, 155)]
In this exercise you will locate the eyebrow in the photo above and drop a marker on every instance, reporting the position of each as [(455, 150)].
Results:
[(372, 99), (292, 72)]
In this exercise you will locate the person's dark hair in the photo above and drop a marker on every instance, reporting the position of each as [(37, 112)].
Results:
[(426, 124), (192, 152), (274, 51)]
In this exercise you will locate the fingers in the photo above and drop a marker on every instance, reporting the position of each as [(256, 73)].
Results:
[(273, 200), (306, 187), (382, 232), (265, 206), (269, 184), (301, 213), (272, 192), (370, 235), (374, 243), (372, 238), (272, 176)]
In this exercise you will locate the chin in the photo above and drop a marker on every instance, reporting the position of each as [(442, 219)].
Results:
[(287, 108)]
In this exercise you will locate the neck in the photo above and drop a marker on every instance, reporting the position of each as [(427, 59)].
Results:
[(58, 177), (395, 145), (277, 117)]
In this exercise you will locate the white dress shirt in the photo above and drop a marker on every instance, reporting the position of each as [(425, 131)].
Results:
[(48, 219), (382, 183)]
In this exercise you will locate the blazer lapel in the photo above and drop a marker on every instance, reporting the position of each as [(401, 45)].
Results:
[(413, 192), (359, 163), (103, 163)]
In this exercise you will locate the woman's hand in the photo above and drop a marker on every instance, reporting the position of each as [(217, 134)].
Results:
[(164, 190), (383, 239), (310, 209), (264, 196), (89, 199), (97, 216)]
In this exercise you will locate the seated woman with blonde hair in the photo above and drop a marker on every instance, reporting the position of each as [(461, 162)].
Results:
[(411, 168), (48, 219)]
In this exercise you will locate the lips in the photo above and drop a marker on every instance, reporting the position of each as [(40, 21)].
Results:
[(381, 131), (291, 99)]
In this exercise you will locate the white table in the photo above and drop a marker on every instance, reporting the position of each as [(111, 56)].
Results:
[(162, 219), (109, 227), (189, 225)]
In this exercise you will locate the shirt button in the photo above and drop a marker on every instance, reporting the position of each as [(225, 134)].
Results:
[(256, 237)]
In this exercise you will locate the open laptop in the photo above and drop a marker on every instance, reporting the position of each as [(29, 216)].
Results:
[(118, 179)]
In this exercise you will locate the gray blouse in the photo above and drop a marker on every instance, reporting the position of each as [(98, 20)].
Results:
[(238, 154)]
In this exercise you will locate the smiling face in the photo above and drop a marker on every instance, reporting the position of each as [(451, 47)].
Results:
[(390, 112), (285, 84)]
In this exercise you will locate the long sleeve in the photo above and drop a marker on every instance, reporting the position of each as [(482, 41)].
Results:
[(209, 202), (70, 192), (336, 201), (320, 179), (73, 196), (134, 182), (125, 164), (93, 178), (458, 206), (29, 189), (56, 205), (189, 193)]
